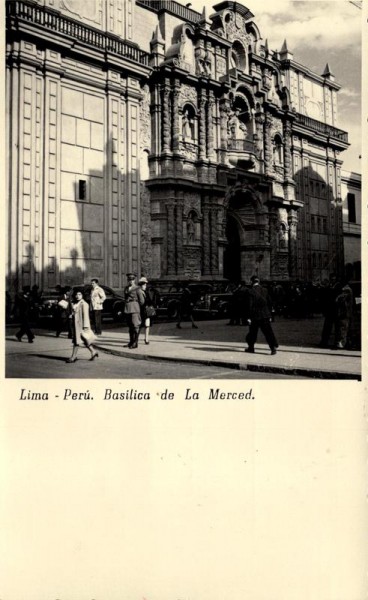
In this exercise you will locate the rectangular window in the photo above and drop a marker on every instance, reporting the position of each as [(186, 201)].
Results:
[(351, 208)]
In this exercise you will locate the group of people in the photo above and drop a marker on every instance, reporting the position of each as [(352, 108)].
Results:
[(252, 306), (259, 305)]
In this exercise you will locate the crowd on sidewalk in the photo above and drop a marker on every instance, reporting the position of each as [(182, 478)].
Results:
[(254, 306)]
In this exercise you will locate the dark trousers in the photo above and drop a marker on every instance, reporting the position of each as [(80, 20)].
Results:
[(328, 325), (25, 329), (97, 320), (265, 326)]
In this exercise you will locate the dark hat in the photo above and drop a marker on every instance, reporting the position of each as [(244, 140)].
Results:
[(131, 275), (254, 279)]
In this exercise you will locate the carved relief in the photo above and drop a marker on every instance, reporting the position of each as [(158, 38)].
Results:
[(145, 120), (188, 150), (220, 65), (187, 94), (192, 262)]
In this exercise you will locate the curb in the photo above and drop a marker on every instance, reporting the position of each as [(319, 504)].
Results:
[(260, 368)]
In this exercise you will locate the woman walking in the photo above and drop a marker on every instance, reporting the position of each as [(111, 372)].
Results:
[(147, 309), (82, 332)]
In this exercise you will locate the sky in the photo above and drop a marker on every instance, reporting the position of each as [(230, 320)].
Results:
[(318, 32)]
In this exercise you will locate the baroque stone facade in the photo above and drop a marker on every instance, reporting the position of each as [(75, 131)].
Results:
[(192, 152)]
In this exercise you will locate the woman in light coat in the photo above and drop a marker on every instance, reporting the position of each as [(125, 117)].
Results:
[(82, 332)]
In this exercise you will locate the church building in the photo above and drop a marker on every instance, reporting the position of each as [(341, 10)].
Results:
[(145, 136)]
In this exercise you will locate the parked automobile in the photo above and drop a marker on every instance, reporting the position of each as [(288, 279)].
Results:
[(113, 307), (209, 299), (46, 306)]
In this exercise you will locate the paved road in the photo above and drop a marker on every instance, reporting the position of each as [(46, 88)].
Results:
[(41, 363)]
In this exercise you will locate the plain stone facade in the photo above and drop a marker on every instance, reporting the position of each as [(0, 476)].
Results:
[(190, 150)]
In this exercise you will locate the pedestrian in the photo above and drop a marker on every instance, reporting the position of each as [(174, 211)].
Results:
[(186, 307), (148, 309), (134, 299), (82, 332), (98, 297), (329, 292), (63, 311), (23, 308), (259, 310), (344, 313)]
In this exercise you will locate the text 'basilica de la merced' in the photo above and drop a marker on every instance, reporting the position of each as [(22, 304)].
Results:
[(146, 136)]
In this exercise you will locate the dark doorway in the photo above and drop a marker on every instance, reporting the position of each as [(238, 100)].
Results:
[(232, 251)]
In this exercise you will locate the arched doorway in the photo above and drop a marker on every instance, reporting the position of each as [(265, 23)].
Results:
[(232, 270)]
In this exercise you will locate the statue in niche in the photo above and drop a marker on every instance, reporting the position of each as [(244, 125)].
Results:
[(191, 230), (282, 236), (237, 130), (207, 63), (187, 126)]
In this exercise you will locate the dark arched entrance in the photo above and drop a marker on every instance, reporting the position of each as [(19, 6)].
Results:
[(232, 251)]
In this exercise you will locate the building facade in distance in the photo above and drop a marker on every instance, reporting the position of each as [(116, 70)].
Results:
[(351, 193), (145, 136)]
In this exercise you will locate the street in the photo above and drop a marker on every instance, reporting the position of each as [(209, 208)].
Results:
[(36, 361)]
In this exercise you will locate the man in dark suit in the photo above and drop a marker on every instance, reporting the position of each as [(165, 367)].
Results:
[(259, 311), (134, 299), (23, 307)]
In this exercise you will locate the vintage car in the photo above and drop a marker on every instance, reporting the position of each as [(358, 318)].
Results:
[(113, 307), (209, 299)]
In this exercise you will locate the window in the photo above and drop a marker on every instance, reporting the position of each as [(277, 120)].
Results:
[(351, 208)]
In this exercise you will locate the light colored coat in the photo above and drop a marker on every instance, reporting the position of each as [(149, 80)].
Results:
[(98, 297), (81, 320)]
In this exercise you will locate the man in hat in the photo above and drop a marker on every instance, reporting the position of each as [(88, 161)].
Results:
[(259, 312), (134, 299)]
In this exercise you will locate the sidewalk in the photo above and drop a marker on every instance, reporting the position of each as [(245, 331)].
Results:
[(216, 344)]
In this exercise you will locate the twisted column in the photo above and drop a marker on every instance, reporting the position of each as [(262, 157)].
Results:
[(214, 238), (268, 144), (287, 150), (166, 114), (175, 116), (293, 243), (206, 237), (179, 231), (202, 125), (170, 238), (210, 139)]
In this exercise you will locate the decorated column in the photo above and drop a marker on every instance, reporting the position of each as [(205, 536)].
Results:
[(206, 237), (170, 207), (214, 236), (202, 125), (268, 144), (293, 222), (179, 231), (210, 128), (166, 113)]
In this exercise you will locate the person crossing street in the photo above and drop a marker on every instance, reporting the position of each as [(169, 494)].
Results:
[(259, 310)]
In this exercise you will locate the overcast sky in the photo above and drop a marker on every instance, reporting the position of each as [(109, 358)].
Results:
[(318, 33)]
